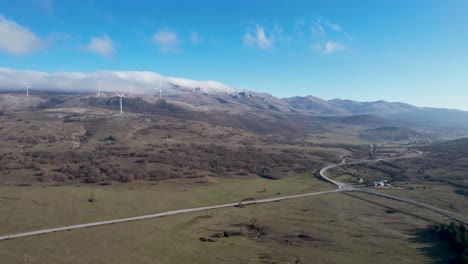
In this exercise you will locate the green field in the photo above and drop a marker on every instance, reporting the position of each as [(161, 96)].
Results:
[(344, 137), (40, 206), (335, 228)]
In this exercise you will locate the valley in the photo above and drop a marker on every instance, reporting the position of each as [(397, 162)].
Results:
[(233, 132), (73, 159)]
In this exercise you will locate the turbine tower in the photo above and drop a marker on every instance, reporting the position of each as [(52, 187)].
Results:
[(160, 90), (155, 91), (27, 88), (121, 96), (131, 90), (99, 86)]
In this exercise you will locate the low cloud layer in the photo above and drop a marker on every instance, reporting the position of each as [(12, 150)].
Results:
[(142, 82)]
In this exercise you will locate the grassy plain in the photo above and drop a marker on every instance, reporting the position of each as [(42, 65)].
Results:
[(331, 228), (24, 208), (344, 136)]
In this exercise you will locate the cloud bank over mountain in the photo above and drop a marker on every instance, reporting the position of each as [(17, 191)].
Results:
[(142, 82)]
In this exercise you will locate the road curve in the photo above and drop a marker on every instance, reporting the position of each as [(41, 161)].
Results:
[(347, 187)]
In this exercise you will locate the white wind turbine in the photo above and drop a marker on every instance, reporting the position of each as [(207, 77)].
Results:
[(121, 96), (160, 90), (131, 90), (99, 86), (155, 90), (27, 88)]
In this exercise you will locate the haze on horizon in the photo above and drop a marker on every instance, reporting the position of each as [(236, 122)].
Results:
[(413, 52)]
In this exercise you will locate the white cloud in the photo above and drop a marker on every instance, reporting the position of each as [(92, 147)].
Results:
[(166, 40), (332, 26), (195, 38), (317, 30), (103, 46), (248, 39), (320, 34), (16, 39), (326, 36), (258, 38), (278, 29), (335, 27), (333, 46), (112, 81)]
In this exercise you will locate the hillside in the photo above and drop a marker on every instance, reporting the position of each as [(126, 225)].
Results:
[(211, 96), (453, 149), (390, 134), (262, 113), (315, 105)]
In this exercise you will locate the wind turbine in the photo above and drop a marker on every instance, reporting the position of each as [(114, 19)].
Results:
[(27, 88), (155, 90), (99, 86), (121, 96), (131, 90), (160, 90)]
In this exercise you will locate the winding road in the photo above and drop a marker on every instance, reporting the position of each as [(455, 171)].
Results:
[(341, 188), (347, 187)]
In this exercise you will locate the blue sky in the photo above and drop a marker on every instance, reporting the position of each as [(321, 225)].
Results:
[(396, 50)]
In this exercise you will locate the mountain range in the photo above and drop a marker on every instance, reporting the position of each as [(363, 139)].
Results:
[(389, 110), (190, 99)]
